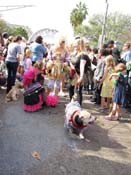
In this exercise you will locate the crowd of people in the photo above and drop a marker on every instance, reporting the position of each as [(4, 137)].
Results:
[(104, 72)]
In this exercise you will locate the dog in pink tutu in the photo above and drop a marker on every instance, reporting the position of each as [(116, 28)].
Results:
[(34, 95)]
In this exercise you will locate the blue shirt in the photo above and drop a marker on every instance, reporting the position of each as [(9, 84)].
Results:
[(13, 50), (126, 56), (37, 51)]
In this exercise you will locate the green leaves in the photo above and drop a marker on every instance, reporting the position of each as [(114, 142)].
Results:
[(118, 26), (78, 14), (13, 29), (20, 31)]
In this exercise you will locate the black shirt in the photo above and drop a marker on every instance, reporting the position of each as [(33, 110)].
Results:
[(75, 60)]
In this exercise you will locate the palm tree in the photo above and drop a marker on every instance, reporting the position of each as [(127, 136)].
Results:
[(78, 14)]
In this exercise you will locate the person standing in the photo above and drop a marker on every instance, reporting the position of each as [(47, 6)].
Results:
[(115, 51), (12, 61), (126, 54), (119, 93), (38, 49), (80, 63), (107, 85), (61, 48)]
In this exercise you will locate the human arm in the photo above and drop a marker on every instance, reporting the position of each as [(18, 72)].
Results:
[(114, 75), (99, 70), (19, 56), (29, 63), (82, 67), (104, 75)]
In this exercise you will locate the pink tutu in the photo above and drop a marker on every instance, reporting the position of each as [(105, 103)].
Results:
[(52, 100), (35, 107), (29, 76)]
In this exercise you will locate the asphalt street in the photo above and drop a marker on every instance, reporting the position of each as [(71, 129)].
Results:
[(42, 132)]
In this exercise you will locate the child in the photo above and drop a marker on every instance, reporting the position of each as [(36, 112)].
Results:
[(30, 75), (107, 87), (27, 59), (119, 94), (54, 69)]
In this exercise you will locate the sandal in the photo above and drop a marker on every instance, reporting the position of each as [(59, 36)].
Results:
[(108, 117), (101, 109), (111, 118), (114, 118)]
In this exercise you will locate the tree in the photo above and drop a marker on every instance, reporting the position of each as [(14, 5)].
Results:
[(3, 26), (12, 29), (118, 25), (118, 28), (19, 31), (78, 15)]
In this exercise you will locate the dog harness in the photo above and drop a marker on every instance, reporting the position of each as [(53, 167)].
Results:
[(74, 124)]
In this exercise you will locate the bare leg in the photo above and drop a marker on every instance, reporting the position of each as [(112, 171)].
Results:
[(113, 112), (56, 91), (62, 85), (48, 91), (108, 102), (117, 111), (102, 102)]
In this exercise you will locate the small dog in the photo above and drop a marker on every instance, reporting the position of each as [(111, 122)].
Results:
[(77, 119), (14, 93)]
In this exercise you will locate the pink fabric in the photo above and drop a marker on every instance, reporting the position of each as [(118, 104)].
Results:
[(29, 76), (32, 108), (52, 100), (28, 63)]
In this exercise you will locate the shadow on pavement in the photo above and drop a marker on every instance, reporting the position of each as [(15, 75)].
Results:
[(62, 164)]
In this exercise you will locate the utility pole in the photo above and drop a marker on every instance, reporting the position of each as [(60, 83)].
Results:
[(102, 37), (12, 7)]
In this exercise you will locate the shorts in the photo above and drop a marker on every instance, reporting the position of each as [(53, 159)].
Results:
[(51, 83)]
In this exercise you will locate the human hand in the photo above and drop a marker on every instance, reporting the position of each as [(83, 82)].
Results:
[(79, 81), (110, 77), (99, 86)]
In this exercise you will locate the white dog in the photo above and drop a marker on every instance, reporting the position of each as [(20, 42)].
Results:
[(77, 119)]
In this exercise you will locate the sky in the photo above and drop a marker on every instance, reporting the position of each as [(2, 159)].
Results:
[(55, 14)]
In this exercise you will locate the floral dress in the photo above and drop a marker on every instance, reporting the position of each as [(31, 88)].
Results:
[(108, 85)]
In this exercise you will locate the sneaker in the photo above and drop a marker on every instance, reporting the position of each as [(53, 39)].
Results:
[(62, 94)]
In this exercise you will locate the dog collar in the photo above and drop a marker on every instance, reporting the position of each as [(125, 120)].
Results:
[(73, 123)]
